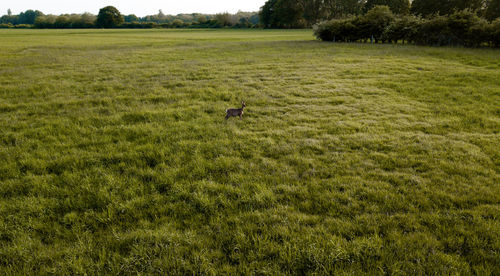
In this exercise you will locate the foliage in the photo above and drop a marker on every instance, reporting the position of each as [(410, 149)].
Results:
[(85, 20), (305, 13), (463, 28), (130, 18), (312, 10), (29, 17), (396, 6), (285, 14), (109, 17), (26, 18), (431, 7), (494, 32), (374, 22), (404, 28), (337, 30), (6, 26), (342, 8), (492, 10), (351, 159)]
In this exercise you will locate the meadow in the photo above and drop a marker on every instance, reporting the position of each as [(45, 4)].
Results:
[(115, 157)]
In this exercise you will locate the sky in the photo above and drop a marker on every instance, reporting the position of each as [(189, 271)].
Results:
[(139, 8)]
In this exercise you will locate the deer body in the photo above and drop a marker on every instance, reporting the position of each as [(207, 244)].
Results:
[(233, 112)]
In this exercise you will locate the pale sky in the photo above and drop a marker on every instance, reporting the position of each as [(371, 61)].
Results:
[(137, 7)]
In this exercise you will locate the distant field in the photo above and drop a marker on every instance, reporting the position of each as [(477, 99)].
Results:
[(115, 157)]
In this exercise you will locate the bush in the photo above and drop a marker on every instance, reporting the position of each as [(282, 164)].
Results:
[(478, 34), (45, 21), (460, 24), (374, 23), (403, 29), (23, 26), (6, 26), (494, 32), (462, 28), (337, 30)]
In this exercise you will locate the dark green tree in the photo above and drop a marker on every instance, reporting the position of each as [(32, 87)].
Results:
[(374, 22), (495, 32), (426, 7), (29, 16), (342, 8), (492, 11), (131, 18), (313, 10), (282, 14), (404, 29), (266, 14), (109, 17), (430, 7), (289, 14), (396, 6)]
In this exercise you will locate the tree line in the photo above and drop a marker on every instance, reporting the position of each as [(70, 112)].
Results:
[(306, 13), (110, 17), (380, 24)]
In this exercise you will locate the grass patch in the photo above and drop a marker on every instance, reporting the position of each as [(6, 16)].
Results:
[(115, 157)]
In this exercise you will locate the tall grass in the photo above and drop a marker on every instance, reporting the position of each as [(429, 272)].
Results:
[(115, 157)]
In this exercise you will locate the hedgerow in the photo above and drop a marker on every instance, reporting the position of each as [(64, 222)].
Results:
[(462, 28)]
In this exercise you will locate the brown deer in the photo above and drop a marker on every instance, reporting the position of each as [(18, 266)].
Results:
[(233, 112)]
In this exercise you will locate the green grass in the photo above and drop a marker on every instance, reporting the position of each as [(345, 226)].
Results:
[(115, 157)]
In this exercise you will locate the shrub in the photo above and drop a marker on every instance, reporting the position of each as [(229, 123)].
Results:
[(374, 22), (462, 28), (434, 32), (478, 34), (6, 25), (460, 24), (45, 21), (62, 22), (396, 6), (402, 29), (494, 32), (23, 26), (337, 30)]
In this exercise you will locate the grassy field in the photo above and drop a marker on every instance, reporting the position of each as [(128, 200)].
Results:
[(115, 157)]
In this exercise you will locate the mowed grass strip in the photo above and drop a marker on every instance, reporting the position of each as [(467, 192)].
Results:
[(115, 157)]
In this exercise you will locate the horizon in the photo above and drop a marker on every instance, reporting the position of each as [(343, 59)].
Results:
[(144, 8)]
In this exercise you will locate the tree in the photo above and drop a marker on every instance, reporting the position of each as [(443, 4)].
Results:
[(374, 22), (312, 10), (202, 19), (46, 21), (87, 20), (495, 32), (396, 6), (9, 12), (289, 14), (266, 14), (492, 11), (224, 19), (62, 21), (131, 18), (342, 8), (109, 17), (29, 16), (404, 28), (430, 7)]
